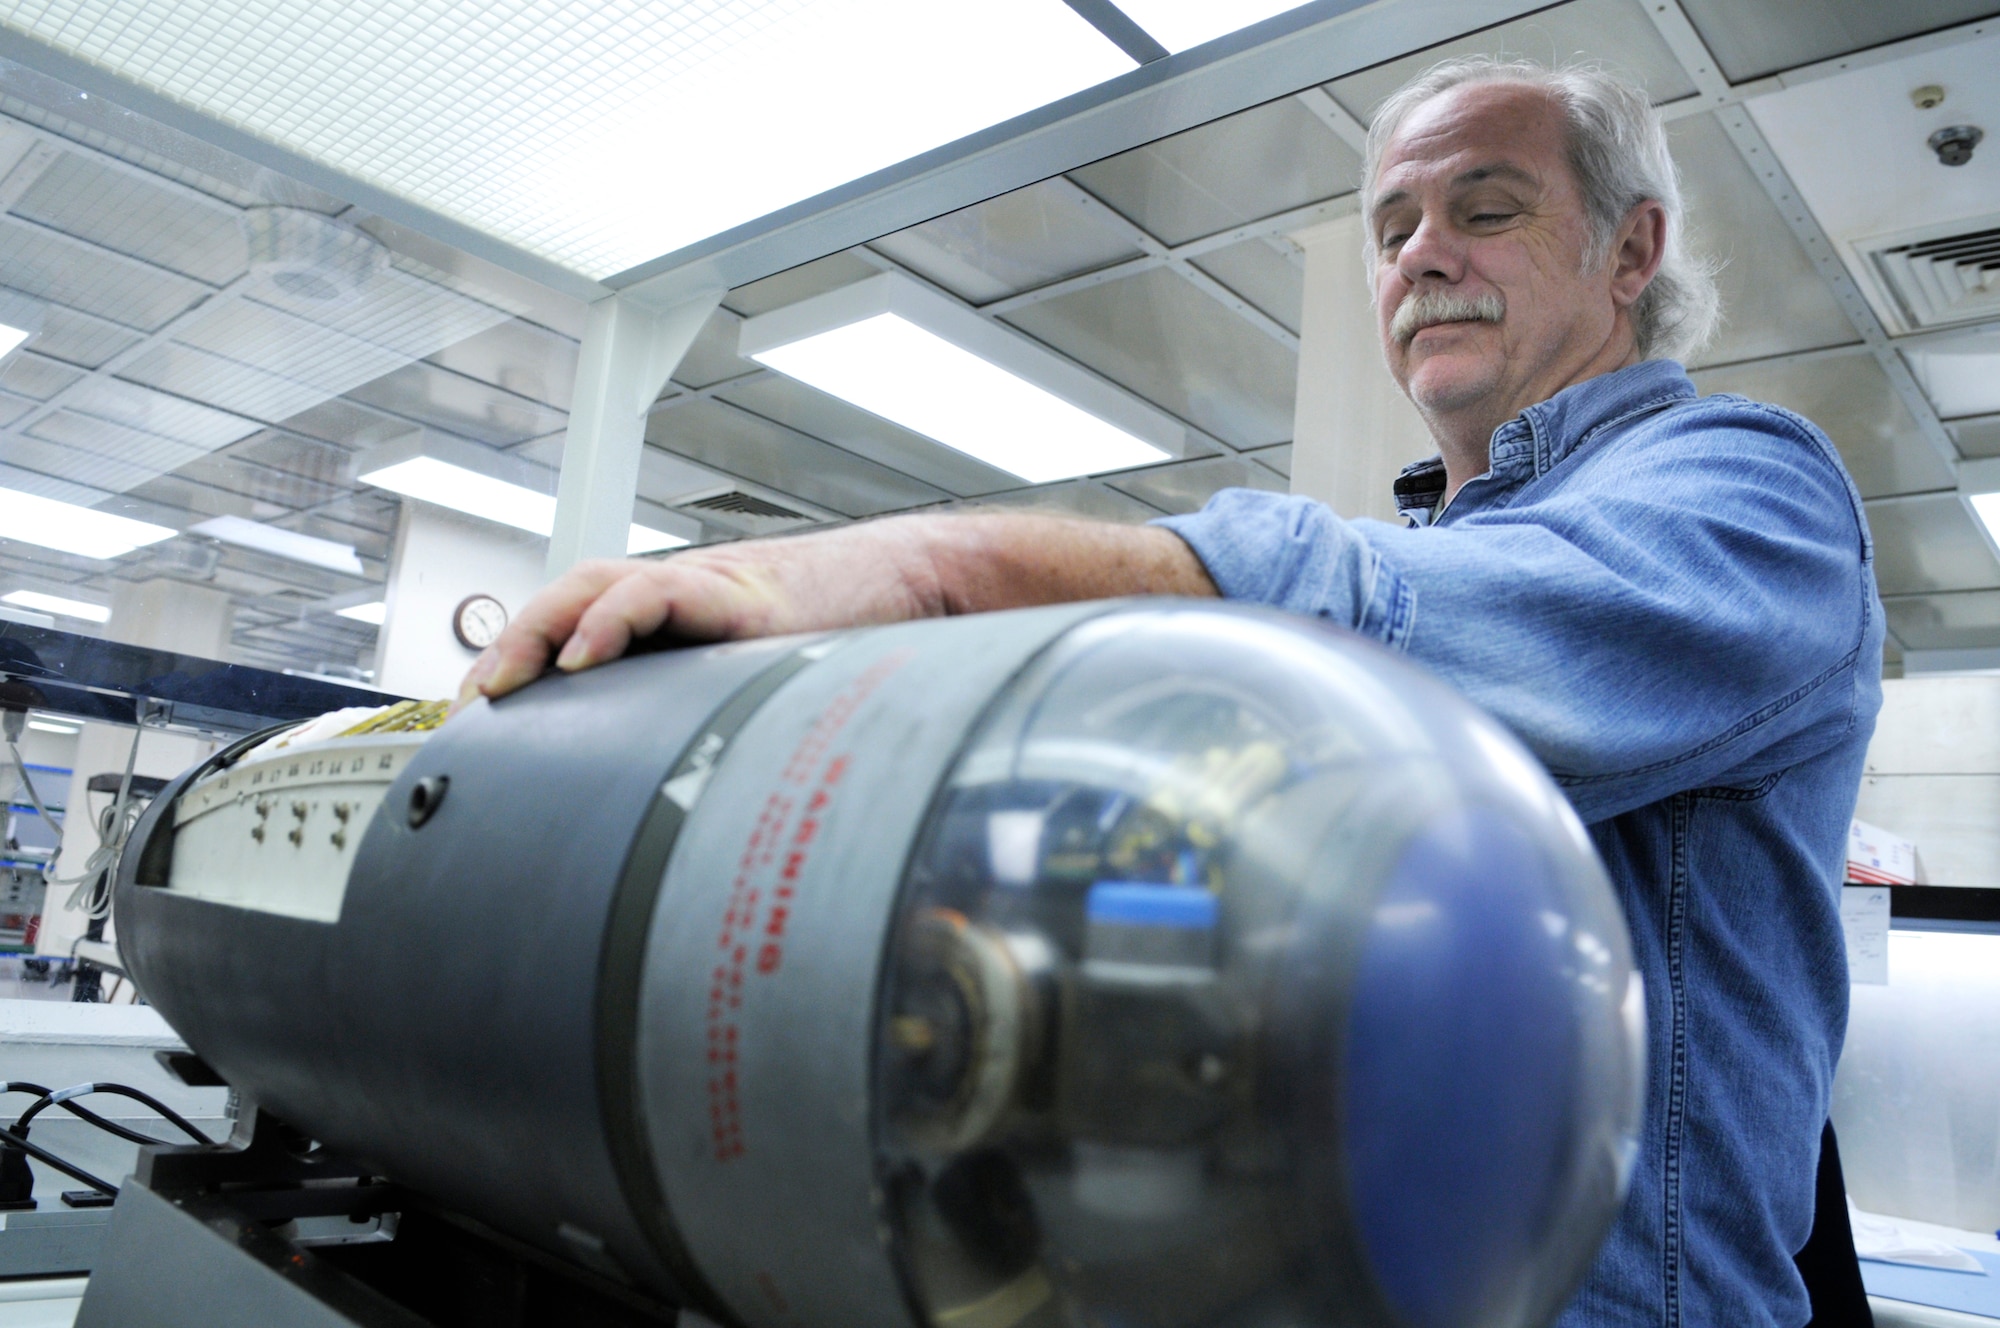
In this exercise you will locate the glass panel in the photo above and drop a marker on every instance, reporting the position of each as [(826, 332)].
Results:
[(1929, 543), (1013, 243), (1752, 40), (1773, 302), (1968, 620), (558, 132), (1849, 396), (1257, 163), (1184, 488), (1157, 335), (1615, 31)]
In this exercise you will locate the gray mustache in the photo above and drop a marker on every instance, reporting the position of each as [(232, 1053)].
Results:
[(1424, 308)]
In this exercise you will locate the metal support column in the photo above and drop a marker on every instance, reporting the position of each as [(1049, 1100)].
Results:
[(629, 350)]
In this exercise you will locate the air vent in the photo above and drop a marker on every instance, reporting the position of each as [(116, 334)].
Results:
[(1941, 279), (737, 503)]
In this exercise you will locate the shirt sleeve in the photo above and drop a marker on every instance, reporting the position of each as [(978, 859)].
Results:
[(1690, 604)]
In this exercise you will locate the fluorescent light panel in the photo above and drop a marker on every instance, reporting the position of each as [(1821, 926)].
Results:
[(83, 531), (1986, 506), (374, 614), (282, 543), (556, 146), (11, 338), (56, 604), (433, 481), (899, 351), (1180, 24), (50, 726)]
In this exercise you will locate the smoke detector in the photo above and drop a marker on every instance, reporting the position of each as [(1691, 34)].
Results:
[(305, 260)]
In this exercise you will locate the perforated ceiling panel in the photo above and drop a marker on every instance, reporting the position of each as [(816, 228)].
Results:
[(565, 129)]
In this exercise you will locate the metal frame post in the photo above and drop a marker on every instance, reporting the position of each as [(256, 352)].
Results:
[(629, 350)]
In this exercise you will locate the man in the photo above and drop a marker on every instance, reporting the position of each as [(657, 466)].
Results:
[(1670, 600)]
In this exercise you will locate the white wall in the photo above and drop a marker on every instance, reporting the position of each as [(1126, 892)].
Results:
[(441, 557), (1933, 774), (1353, 428), (1917, 1098)]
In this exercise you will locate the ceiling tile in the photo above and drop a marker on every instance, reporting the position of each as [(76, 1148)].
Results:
[(741, 444), (1157, 335), (1090, 501), (13, 408), (1012, 243), (1929, 543), (77, 338), (308, 458), (60, 270), (1277, 458), (1773, 301), (1265, 160), (459, 405), (1968, 620), (1616, 32), (260, 482), (1848, 396), (1185, 486), (523, 358), (74, 464), (1751, 40), (32, 376), (342, 422), (1976, 437), (158, 413), (125, 211), (799, 283), (1959, 372), (1261, 275), (792, 403)]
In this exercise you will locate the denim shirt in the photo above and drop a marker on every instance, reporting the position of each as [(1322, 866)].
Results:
[(1672, 601)]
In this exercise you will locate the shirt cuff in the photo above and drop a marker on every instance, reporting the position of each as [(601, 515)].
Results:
[(1293, 553)]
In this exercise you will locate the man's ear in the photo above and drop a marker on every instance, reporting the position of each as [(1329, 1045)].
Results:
[(1635, 257)]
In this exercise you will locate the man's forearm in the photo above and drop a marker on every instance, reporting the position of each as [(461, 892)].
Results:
[(989, 561)]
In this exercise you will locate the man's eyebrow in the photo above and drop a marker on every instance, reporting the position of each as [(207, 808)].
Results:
[(1389, 200), (1497, 171), (1477, 175)]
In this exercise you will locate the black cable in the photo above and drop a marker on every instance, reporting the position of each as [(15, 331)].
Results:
[(86, 1115), (35, 1150), (167, 1113)]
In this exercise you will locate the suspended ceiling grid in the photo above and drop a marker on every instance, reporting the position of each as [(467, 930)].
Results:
[(1163, 269)]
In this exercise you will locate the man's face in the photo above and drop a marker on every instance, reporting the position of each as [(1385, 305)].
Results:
[(1480, 231)]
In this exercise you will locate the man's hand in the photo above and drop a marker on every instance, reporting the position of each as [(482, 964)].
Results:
[(875, 572)]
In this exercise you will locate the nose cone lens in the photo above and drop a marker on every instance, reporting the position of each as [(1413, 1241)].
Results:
[(1244, 975)]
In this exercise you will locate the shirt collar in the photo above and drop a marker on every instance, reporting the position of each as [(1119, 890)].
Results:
[(1555, 428), (1549, 431)]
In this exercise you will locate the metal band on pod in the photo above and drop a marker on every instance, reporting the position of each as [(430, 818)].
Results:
[(623, 961)]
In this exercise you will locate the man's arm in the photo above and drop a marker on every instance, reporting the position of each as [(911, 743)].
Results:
[(876, 572)]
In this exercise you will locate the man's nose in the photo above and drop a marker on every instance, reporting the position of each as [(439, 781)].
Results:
[(1431, 253)]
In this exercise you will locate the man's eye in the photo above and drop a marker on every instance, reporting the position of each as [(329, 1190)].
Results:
[(1394, 239), (1492, 218)]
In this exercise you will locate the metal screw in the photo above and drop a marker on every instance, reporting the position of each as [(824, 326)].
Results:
[(1928, 97), (425, 795), (340, 839), (257, 833)]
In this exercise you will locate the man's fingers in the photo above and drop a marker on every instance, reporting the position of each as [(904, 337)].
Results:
[(522, 651), (636, 605)]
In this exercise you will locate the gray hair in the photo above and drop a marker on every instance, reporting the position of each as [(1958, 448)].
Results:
[(1618, 153)]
